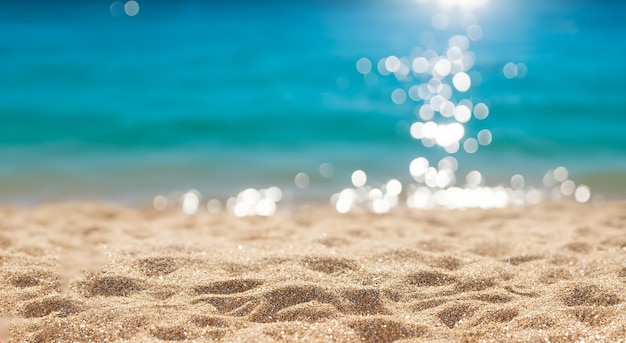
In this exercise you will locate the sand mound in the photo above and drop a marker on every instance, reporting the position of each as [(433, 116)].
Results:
[(85, 272)]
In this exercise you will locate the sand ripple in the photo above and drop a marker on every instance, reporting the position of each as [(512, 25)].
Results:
[(85, 272)]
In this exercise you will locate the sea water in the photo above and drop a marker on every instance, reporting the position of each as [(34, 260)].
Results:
[(127, 101)]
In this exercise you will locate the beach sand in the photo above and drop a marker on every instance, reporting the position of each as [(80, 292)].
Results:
[(95, 272)]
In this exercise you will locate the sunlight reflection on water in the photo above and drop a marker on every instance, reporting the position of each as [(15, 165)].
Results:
[(440, 85)]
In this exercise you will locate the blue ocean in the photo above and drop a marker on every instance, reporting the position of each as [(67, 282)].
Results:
[(124, 101)]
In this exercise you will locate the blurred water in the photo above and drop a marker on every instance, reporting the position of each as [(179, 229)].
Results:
[(218, 96)]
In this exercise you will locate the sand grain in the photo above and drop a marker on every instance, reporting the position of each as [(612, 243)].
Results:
[(92, 272)]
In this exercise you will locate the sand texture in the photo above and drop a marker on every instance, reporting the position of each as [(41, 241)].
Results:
[(102, 273)]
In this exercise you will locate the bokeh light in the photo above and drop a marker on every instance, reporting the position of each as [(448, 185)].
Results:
[(462, 114), (398, 96), (131, 8), (560, 174), (517, 182), (582, 193), (420, 65), (214, 206), (470, 145), (510, 70), (438, 80), (364, 65), (442, 82), (191, 201), (484, 137), (302, 180), (359, 178), (117, 9), (568, 187), (473, 178), (474, 32), (160, 203), (462, 82), (481, 111)]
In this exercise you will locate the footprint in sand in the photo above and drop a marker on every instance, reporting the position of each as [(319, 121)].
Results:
[(43, 307), (158, 266), (228, 286), (111, 286), (426, 278), (170, 333), (517, 260), (452, 314), (497, 316), (33, 278), (384, 330), (330, 265), (581, 294)]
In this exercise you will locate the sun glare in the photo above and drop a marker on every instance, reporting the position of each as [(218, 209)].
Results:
[(465, 4)]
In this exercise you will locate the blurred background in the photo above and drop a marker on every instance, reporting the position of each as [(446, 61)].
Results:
[(124, 100)]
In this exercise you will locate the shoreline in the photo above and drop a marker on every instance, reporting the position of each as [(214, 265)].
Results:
[(81, 271), (33, 190)]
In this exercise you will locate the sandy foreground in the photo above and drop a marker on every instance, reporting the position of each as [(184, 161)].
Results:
[(94, 272)]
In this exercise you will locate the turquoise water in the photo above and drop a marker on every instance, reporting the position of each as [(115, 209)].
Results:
[(219, 97)]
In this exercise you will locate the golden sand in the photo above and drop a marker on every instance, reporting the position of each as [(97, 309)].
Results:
[(92, 272)]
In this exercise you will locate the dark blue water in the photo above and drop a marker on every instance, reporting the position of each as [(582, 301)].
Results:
[(222, 96)]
